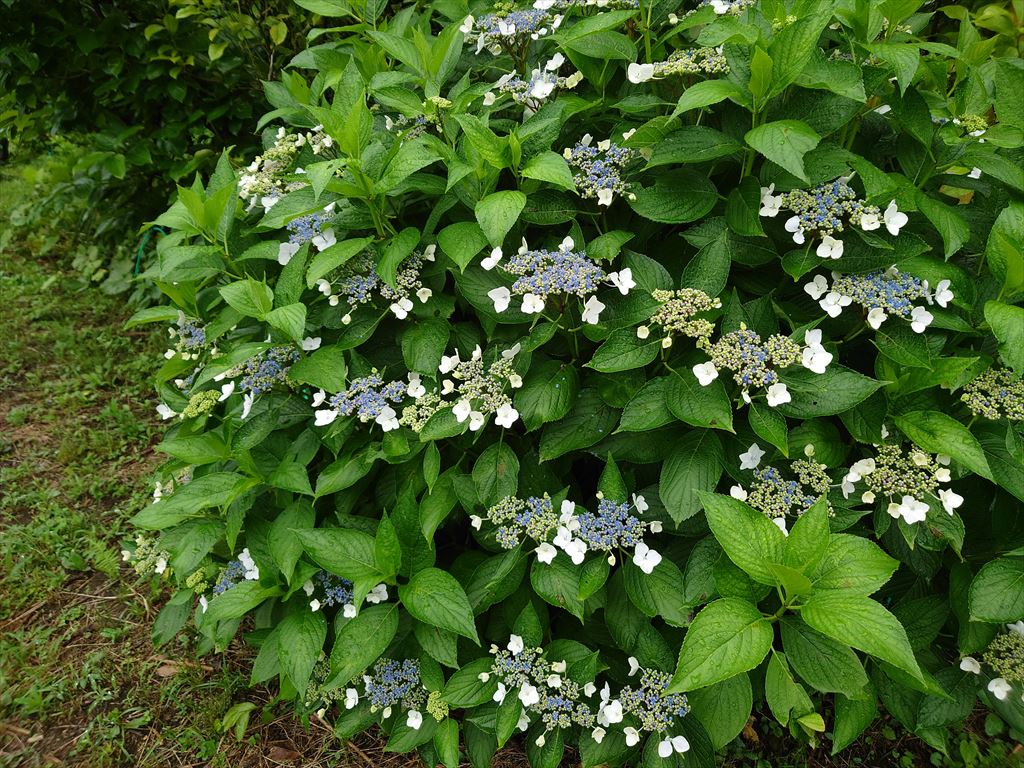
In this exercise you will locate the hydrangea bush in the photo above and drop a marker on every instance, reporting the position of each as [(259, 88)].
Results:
[(597, 373)]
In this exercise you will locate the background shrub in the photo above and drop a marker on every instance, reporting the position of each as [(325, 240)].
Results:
[(147, 93), (670, 352)]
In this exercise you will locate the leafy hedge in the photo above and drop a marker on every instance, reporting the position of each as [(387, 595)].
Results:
[(672, 354)]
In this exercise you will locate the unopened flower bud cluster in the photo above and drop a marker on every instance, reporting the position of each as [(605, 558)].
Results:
[(573, 530), (147, 557), (263, 182), (881, 294), (907, 478), (201, 404), (1005, 656), (996, 394), (755, 362), (543, 274), (777, 496), (688, 61), (678, 315), (598, 168), (509, 29), (357, 282)]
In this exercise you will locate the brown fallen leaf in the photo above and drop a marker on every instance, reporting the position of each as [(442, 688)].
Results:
[(167, 670), (750, 735), (282, 754)]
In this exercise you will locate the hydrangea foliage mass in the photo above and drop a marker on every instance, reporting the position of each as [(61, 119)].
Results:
[(595, 373)]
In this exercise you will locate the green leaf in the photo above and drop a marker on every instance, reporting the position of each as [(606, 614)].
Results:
[(198, 449), (590, 421), (623, 351), (361, 641), (947, 220), (506, 720), (749, 538), (446, 742), (1007, 323), (285, 547), (324, 369), (462, 242), (548, 393), (398, 249), (558, 583), (854, 564), (785, 142), (769, 425), (342, 551), (290, 320), (900, 344), (492, 149), (808, 541), (435, 597), (249, 297), (785, 696), (692, 144), (166, 314), (698, 406), (825, 394), (411, 157), (936, 432), (742, 208), (387, 549), (213, 490), (464, 688), (550, 167), (1004, 249), (997, 592), (861, 622), (423, 344), (648, 408), (902, 57), (694, 464), (497, 213), (238, 601), (442, 645), (820, 661), (496, 474), (331, 258), (678, 197), (794, 46), (723, 708), (707, 92), (656, 593), (300, 638), (727, 637), (853, 716), (708, 271), (342, 474)]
